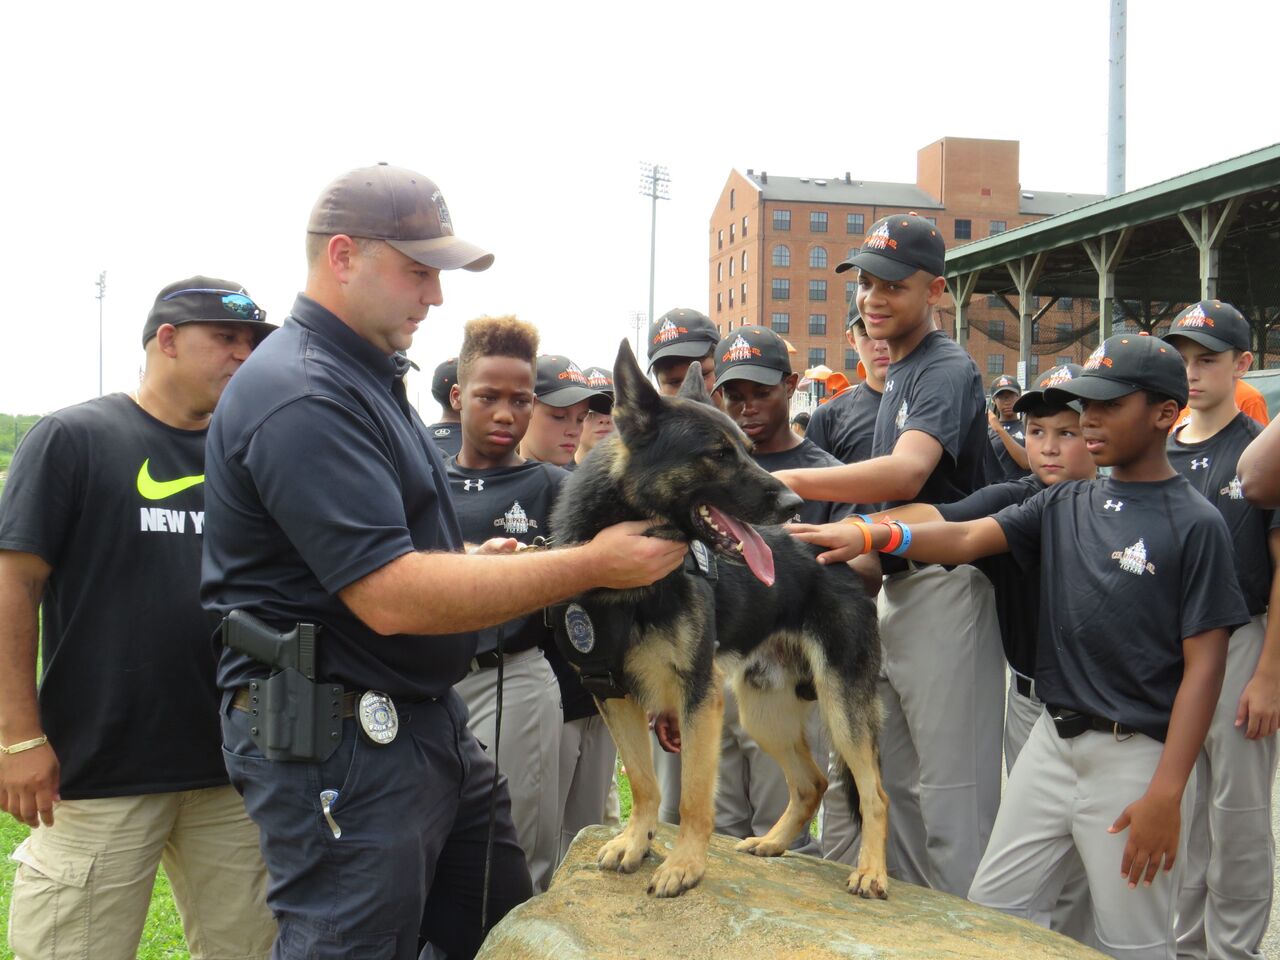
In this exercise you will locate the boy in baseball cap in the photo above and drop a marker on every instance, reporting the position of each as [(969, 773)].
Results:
[(1130, 674), (447, 431), (1004, 428), (1227, 889), (563, 400), (676, 339), (599, 423), (929, 445)]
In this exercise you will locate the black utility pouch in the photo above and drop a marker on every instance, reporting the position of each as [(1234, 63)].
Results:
[(1069, 724), (593, 638), (295, 718)]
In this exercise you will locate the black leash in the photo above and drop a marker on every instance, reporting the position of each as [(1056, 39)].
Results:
[(493, 793)]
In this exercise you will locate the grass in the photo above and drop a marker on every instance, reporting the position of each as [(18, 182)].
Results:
[(162, 936)]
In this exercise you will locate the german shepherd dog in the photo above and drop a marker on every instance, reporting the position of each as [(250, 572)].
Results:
[(784, 628)]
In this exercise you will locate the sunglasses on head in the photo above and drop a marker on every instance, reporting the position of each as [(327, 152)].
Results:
[(233, 301)]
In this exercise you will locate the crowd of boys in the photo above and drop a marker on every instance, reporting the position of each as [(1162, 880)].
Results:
[(1105, 638)]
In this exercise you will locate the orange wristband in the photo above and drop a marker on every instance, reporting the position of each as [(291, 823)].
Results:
[(866, 532), (895, 536)]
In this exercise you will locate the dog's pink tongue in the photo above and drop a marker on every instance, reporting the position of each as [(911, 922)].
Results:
[(755, 551)]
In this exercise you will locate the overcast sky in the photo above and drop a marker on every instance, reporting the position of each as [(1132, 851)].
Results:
[(156, 141)]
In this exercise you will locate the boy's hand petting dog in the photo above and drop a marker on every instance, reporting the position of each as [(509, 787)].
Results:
[(626, 557), (1259, 710), (1153, 821), (667, 726), (845, 539)]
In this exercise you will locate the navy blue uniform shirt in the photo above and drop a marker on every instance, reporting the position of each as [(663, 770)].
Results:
[(318, 473), (845, 425)]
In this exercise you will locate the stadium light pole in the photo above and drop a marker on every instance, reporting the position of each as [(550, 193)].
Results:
[(638, 321), (102, 293), (655, 181), (1116, 122)]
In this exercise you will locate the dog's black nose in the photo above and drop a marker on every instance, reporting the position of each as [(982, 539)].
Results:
[(789, 502)]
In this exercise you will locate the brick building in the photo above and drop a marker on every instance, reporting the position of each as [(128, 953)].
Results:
[(775, 242)]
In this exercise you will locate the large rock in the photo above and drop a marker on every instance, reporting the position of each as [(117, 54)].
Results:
[(786, 908)]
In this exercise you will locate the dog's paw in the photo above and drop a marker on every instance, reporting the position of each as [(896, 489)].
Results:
[(677, 874), (761, 847), (869, 884), (622, 854)]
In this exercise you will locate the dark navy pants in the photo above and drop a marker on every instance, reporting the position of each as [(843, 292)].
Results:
[(414, 817)]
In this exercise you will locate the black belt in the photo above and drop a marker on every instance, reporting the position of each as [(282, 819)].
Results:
[(244, 701), (1071, 723), (1025, 686)]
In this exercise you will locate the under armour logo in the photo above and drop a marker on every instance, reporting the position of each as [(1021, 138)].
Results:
[(888, 387), (1201, 464), (1113, 505), (473, 485)]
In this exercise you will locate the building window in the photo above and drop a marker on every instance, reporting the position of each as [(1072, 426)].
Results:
[(781, 322), (720, 240), (995, 330), (853, 252), (732, 260), (1064, 358), (818, 258), (933, 221), (781, 288), (719, 302), (818, 324), (850, 358), (817, 355), (732, 192), (782, 219), (817, 289), (720, 272), (744, 295), (993, 300), (818, 221), (995, 363), (964, 229), (999, 226), (1033, 365), (819, 389), (731, 298), (781, 255), (854, 223), (1063, 331), (850, 290), (1065, 303), (744, 261), (730, 325), (1094, 305), (1034, 300), (744, 228), (732, 237)]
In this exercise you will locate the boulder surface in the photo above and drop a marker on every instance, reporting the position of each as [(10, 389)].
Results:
[(751, 908)]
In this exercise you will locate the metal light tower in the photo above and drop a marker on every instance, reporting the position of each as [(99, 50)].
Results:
[(102, 293), (638, 322), (654, 182), (1116, 101)]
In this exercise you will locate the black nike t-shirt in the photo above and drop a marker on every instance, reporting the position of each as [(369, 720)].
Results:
[(1017, 589), (807, 454), (507, 502), (936, 389), (1210, 467), (1127, 572), (113, 500), (448, 437), (1009, 469), (845, 425)]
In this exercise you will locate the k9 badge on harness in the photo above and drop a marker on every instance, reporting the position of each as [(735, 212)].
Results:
[(378, 717), (582, 634)]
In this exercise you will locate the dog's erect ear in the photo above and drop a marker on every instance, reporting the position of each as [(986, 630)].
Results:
[(694, 386), (636, 403)]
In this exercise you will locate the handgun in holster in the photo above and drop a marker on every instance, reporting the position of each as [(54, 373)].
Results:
[(295, 718)]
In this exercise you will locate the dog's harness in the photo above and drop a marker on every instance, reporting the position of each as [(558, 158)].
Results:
[(592, 634)]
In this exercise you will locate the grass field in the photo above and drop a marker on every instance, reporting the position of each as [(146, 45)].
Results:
[(162, 936)]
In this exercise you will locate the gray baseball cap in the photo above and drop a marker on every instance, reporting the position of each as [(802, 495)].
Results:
[(401, 207)]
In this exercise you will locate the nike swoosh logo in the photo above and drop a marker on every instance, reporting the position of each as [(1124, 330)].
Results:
[(163, 489)]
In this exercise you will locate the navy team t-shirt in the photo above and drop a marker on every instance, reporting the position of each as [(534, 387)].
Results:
[(845, 425)]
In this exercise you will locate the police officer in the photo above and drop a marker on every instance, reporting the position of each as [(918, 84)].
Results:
[(327, 504)]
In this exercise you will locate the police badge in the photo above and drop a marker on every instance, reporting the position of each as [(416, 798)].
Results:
[(377, 715), (582, 633)]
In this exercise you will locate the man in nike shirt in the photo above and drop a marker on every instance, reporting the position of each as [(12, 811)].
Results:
[(115, 763)]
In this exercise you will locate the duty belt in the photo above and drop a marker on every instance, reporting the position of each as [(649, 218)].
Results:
[(246, 701)]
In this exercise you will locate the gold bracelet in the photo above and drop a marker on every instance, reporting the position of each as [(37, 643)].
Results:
[(25, 745)]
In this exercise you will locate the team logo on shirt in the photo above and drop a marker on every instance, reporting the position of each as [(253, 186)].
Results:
[(1019, 435), (1133, 559), (668, 332), (1116, 505), (901, 418), (1234, 489), (477, 485), (443, 431), (515, 520), (1201, 463)]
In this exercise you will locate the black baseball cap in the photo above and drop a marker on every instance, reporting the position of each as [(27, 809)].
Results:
[(1003, 384), (751, 353), (853, 317), (683, 333), (897, 246), (205, 300), (1213, 324), (600, 378), (1050, 378), (399, 206), (443, 379), (561, 383), (1123, 364)]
